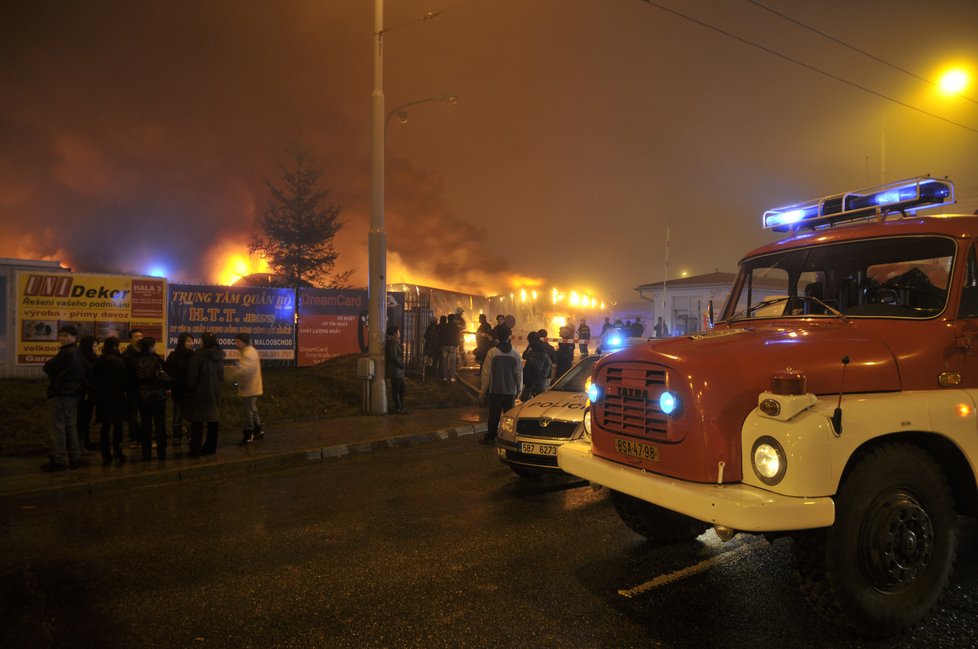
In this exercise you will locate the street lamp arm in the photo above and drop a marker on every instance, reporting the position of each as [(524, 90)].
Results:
[(448, 98)]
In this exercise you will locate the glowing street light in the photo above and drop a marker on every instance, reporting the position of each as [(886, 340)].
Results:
[(954, 81)]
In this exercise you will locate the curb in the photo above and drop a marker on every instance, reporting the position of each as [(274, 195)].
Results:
[(154, 476)]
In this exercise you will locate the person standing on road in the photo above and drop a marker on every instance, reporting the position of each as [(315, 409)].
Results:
[(111, 403), (204, 378), (501, 380), (660, 328), (583, 337), (432, 350), (394, 367), (85, 401), (536, 370), (66, 371), (483, 340), (248, 378), (151, 382), (565, 349), (132, 392), (449, 337), (176, 365)]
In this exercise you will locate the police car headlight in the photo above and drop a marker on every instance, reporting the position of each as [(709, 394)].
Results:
[(587, 424), (768, 460), (506, 423)]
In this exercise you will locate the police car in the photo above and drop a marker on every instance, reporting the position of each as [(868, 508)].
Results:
[(530, 433)]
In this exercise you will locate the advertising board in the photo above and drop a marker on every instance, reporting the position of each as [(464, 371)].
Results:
[(97, 305), (333, 322)]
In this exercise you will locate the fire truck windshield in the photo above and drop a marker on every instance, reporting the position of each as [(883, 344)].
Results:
[(895, 277)]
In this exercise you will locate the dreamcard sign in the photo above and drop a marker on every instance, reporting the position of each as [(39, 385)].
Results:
[(333, 322)]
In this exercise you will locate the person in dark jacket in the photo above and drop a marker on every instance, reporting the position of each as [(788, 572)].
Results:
[(110, 378), (132, 420), (151, 382), (432, 350), (449, 337), (501, 380), (176, 366), (85, 400), (483, 339), (565, 349), (536, 370), (394, 367), (204, 378), (66, 372)]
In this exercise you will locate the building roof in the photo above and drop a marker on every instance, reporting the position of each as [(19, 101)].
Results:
[(709, 279)]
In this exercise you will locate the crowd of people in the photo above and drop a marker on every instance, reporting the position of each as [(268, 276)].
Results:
[(118, 388)]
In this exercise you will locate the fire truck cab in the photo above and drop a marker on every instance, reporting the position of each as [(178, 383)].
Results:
[(841, 413)]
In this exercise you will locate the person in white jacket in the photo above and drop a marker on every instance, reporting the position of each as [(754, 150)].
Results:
[(248, 379)]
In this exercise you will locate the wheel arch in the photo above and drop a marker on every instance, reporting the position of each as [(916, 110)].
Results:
[(948, 455)]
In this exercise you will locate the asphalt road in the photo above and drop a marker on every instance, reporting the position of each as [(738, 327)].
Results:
[(432, 546)]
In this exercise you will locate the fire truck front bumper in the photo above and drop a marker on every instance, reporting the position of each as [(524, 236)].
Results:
[(736, 506)]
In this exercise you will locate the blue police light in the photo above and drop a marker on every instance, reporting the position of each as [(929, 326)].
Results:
[(668, 402), (615, 341), (915, 193), (157, 271)]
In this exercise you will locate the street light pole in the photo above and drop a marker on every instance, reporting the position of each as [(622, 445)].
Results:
[(377, 241)]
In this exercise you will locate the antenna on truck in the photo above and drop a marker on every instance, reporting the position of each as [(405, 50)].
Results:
[(837, 415)]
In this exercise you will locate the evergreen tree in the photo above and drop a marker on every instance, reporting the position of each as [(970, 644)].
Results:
[(299, 227)]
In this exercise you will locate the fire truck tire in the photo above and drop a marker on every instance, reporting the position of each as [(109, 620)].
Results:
[(888, 558), (657, 524)]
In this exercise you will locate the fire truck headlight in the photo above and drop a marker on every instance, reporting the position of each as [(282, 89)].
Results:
[(768, 460), (506, 423), (593, 392), (669, 403)]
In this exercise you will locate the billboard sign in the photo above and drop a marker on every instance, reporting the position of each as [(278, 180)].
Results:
[(333, 322), (266, 314), (97, 305)]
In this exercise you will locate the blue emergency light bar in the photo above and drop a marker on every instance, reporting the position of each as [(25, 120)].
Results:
[(916, 193)]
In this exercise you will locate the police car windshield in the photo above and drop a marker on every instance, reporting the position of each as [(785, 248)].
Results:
[(895, 277), (574, 379)]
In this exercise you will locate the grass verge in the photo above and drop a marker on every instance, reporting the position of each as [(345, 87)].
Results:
[(323, 391)]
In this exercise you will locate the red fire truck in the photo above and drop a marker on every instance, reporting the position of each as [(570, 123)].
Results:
[(841, 412)]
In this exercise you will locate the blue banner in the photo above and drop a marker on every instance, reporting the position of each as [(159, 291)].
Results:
[(266, 314)]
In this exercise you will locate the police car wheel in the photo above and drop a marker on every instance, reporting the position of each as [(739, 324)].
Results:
[(657, 524), (888, 558)]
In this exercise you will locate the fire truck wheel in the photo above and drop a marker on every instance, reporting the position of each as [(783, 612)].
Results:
[(657, 524), (887, 560)]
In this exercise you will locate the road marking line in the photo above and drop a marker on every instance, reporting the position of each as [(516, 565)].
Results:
[(702, 566)]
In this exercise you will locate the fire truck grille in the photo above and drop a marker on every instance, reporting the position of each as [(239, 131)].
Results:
[(553, 429), (631, 404)]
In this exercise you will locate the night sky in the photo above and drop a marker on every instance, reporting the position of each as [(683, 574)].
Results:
[(139, 135)]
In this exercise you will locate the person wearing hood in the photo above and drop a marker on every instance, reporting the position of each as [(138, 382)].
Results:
[(204, 378), (501, 380)]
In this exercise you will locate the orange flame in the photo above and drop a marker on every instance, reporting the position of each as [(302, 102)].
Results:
[(231, 262)]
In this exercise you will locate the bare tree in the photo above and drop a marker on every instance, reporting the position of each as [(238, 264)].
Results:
[(299, 227)]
